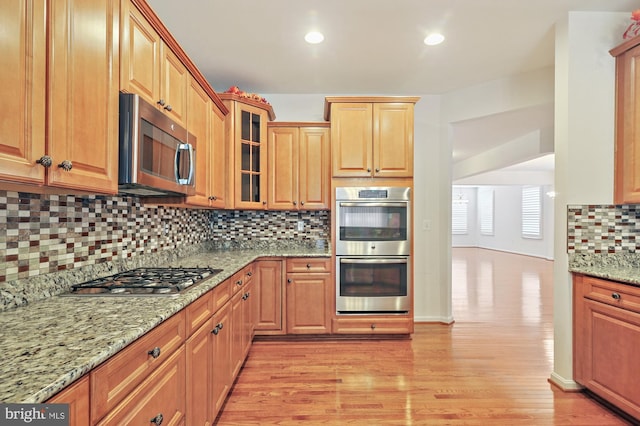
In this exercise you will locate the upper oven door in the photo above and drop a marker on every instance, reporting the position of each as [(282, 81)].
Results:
[(373, 228)]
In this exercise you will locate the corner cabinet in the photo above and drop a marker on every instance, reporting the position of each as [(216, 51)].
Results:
[(246, 135), (627, 131), (57, 66), (606, 340), (298, 166), (371, 136)]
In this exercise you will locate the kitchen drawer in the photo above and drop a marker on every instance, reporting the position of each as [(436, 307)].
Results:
[(199, 311), (118, 376), (309, 264), (161, 397), (221, 294), (372, 325), (621, 295)]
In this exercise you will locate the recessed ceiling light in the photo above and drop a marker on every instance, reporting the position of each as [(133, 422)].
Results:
[(433, 39), (314, 37)]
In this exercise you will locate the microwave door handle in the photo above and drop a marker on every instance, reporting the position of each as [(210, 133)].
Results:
[(378, 204), (189, 148), (384, 261)]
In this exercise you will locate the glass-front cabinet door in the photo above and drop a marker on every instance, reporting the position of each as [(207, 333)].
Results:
[(246, 127)]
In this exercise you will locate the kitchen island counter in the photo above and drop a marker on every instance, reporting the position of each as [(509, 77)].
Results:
[(48, 344)]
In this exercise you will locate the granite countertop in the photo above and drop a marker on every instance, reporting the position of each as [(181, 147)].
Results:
[(624, 268), (48, 344)]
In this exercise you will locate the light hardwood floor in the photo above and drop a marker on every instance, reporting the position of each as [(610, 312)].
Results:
[(488, 368)]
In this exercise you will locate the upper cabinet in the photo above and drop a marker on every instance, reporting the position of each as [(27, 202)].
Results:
[(627, 144), (298, 166), (149, 67), (371, 136), (69, 141), (246, 134)]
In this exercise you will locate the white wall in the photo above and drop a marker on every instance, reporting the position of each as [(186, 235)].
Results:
[(584, 146), (507, 223)]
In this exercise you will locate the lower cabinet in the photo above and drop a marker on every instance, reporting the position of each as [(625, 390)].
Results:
[(309, 295), (606, 334), (373, 324), (77, 396), (221, 379), (268, 292)]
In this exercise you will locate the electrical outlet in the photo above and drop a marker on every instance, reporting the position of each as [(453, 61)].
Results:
[(300, 225)]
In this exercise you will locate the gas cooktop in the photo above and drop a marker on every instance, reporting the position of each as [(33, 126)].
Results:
[(144, 282)]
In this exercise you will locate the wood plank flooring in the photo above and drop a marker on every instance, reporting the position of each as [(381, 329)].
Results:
[(488, 368)]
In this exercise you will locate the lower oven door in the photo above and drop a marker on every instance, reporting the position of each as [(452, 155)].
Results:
[(372, 284)]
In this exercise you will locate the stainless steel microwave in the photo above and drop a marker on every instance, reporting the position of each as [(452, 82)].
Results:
[(156, 155)]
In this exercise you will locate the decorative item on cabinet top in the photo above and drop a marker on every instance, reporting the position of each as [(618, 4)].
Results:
[(634, 28)]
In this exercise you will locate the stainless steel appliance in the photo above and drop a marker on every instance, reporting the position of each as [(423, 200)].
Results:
[(156, 155), (145, 282), (373, 247)]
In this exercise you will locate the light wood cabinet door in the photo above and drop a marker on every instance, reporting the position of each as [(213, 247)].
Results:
[(393, 139), (268, 291), (309, 301), (222, 379), (77, 396), (139, 55), (627, 145), (198, 116), (314, 168), (173, 86), (351, 139), (218, 161), (82, 112), (199, 369), (250, 157), (283, 168), (23, 69)]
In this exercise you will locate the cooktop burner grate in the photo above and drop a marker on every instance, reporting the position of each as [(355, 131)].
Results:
[(145, 281)]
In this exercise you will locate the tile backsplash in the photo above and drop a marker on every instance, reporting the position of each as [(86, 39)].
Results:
[(41, 234), (600, 229)]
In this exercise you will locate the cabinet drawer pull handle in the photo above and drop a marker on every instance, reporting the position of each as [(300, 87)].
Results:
[(373, 326), (168, 108), (249, 273), (302, 203), (45, 161), (66, 165), (295, 203), (239, 282), (615, 296), (289, 280), (157, 419), (161, 102), (377, 170), (368, 169), (155, 352), (308, 266)]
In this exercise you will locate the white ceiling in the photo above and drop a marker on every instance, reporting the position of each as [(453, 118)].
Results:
[(376, 47)]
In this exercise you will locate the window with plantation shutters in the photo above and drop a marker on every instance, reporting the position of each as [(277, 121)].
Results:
[(531, 212), (485, 210), (459, 216)]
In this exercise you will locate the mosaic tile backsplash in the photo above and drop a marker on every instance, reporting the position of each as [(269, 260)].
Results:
[(601, 229), (41, 234)]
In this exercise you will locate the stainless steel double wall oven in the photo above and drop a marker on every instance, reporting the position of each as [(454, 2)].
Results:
[(373, 247)]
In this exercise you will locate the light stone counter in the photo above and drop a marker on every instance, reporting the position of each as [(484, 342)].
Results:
[(624, 268), (48, 344)]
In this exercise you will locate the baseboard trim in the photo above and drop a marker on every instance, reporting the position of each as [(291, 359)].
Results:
[(431, 320), (565, 385)]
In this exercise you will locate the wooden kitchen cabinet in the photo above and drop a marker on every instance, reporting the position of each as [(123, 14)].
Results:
[(298, 166), (200, 350), (371, 136), (77, 396), (149, 67), (71, 141), (218, 161), (118, 377), (372, 324), (222, 379), (606, 321), (309, 296), (246, 135), (627, 136), (268, 292), (198, 125), (23, 90), (160, 399)]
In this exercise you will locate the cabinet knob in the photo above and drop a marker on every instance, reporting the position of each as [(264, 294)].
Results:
[(213, 197), (615, 296), (368, 169), (239, 283), (373, 326), (66, 165), (45, 161), (168, 108), (157, 420), (264, 203), (155, 352), (295, 203), (217, 328), (249, 273), (302, 203), (289, 280), (161, 102), (308, 266), (377, 170)]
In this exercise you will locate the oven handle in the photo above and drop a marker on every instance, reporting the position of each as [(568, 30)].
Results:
[(377, 260), (378, 204)]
